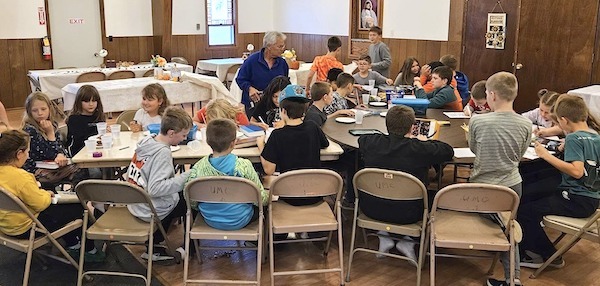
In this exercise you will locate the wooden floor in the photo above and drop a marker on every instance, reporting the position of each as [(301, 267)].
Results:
[(582, 263)]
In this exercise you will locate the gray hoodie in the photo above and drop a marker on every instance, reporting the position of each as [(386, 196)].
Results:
[(152, 169)]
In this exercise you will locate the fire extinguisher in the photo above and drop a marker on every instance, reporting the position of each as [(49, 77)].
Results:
[(46, 51)]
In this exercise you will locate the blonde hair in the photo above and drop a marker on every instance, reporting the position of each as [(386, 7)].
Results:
[(55, 114), (574, 109), (548, 97), (503, 84), (221, 109)]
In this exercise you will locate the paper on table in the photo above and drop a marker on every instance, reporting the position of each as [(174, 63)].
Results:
[(531, 155), (463, 153), (455, 114)]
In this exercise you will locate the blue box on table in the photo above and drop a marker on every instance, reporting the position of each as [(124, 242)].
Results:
[(419, 105), (155, 129)]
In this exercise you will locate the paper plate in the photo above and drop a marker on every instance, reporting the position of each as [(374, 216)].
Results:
[(377, 103), (175, 148), (346, 120), (383, 114)]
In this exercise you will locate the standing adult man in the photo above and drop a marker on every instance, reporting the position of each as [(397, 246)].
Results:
[(261, 67), (381, 59)]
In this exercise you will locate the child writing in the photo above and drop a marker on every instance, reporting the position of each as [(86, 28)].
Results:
[(87, 111), (578, 193), (152, 169), (541, 115), (154, 102), (322, 64), (266, 114), (410, 69), (221, 108), (220, 134), (477, 104), (364, 74), (322, 96), (444, 95)]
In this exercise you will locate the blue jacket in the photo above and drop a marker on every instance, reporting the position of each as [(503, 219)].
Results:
[(255, 72), (462, 85)]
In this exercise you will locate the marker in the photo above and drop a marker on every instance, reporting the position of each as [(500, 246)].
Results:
[(123, 148), (261, 120)]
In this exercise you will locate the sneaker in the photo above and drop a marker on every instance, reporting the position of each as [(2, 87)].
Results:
[(161, 255), (532, 260), (494, 282), (95, 255), (558, 262)]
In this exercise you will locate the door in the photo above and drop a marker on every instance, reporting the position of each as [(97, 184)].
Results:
[(555, 47), (75, 32)]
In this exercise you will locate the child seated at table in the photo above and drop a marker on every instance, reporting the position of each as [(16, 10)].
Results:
[(460, 82), (444, 95), (152, 169), (297, 145), (221, 137), (332, 75), (541, 115), (478, 102), (322, 96), (220, 108), (345, 83), (363, 75), (81, 122), (322, 64), (266, 114), (154, 103)]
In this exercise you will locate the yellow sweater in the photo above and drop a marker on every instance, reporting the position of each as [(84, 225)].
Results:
[(23, 185)]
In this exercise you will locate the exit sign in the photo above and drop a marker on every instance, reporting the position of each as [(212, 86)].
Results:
[(76, 21)]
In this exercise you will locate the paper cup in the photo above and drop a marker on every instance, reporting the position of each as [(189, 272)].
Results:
[(90, 145), (101, 126), (115, 129), (203, 134), (107, 141), (359, 117), (372, 82)]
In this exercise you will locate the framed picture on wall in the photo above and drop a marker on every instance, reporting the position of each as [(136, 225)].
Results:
[(369, 14)]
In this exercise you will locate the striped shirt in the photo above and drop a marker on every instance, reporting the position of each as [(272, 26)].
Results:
[(499, 140)]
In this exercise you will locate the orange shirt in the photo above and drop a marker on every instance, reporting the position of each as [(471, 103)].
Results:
[(428, 88), (240, 117), (322, 64)]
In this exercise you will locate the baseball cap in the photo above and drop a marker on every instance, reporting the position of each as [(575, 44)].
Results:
[(293, 92)]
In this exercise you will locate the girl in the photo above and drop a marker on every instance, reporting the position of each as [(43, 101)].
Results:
[(154, 102), (579, 191), (81, 123), (266, 113), (410, 69), (220, 108), (41, 123), (541, 115), (14, 151)]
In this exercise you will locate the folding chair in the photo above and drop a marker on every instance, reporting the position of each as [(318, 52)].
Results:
[(117, 223), (121, 75), (579, 228), (9, 202), (222, 190), (455, 221), (91, 76), (285, 218), (389, 185)]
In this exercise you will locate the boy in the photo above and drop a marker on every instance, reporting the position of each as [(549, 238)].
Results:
[(297, 145), (345, 83), (322, 96), (462, 82), (363, 75), (379, 53), (399, 151), (332, 75), (443, 96), (322, 64), (152, 169), (499, 139), (425, 77), (220, 136), (477, 104)]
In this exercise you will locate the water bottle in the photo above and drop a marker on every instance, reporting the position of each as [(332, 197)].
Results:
[(175, 73)]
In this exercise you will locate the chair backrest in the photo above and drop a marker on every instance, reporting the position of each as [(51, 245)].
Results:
[(179, 60), (222, 189), (121, 75), (125, 117), (233, 69), (148, 73), (307, 183), (474, 197), (34, 82), (63, 130), (105, 191), (388, 184), (91, 76), (10, 202)]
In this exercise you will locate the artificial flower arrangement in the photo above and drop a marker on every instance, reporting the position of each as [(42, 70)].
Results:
[(158, 61), (290, 58)]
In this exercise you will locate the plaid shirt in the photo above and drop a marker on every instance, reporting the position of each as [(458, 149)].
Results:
[(338, 103)]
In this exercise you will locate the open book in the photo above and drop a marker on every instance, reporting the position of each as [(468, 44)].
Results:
[(427, 127)]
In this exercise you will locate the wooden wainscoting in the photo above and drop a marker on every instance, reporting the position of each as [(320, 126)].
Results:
[(133, 49)]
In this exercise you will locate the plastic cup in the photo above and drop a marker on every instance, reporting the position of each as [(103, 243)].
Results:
[(107, 141), (203, 134), (194, 145), (358, 116), (374, 92), (115, 129), (90, 145), (101, 126), (365, 98), (371, 82)]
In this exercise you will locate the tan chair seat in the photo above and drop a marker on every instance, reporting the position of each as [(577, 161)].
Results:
[(571, 225), (119, 224), (405, 229), (453, 227), (317, 217), (23, 244), (200, 230)]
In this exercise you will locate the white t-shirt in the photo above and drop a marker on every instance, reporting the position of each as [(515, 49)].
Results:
[(143, 118)]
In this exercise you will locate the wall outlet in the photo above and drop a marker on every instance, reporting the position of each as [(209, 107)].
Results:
[(197, 26)]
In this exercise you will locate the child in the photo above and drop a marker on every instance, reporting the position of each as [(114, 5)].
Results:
[(477, 104), (462, 82), (363, 75), (322, 64), (295, 146), (444, 95), (81, 123), (14, 150), (379, 53), (579, 191), (266, 113), (221, 108), (41, 123), (402, 152), (345, 83), (154, 102), (425, 77), (221, 137), (499, 139), (332, 75), (541, 115), (322, 96), (410, 69), (152, 169)]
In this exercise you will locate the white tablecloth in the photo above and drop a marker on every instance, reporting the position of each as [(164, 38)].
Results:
[(52, 81), (591, 96), (219, 66), (125, 94)]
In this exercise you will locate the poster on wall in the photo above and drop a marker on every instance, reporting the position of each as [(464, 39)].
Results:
[(369, 15), (496, 31)]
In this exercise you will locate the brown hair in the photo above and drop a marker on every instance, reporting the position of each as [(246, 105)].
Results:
[(548, 97), (399, 120), (220, 133), (375, 29), (294, 109), (156, 91), (478, 90), (176, 119), (221, 108), (407, 75), (444, 72), (55, 113), (319, 89), (365, 57), (503, 84), (449, 61), (12, 141), (88, 93), (344, 79), (333, 43), (574, 109)]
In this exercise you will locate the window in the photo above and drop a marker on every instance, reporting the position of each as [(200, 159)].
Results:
[(220, 22)]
